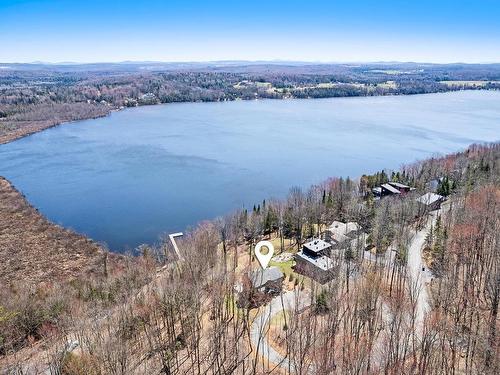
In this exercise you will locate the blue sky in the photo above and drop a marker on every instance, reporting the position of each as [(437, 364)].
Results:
[(309, 30)]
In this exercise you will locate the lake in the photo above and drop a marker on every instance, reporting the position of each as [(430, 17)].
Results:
[(137, 173)]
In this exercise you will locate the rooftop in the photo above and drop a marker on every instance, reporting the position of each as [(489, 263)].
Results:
[(261, 276), (429, 198), (317, 245), (399, 185), (352, 226), (340, 230), (392, 189)]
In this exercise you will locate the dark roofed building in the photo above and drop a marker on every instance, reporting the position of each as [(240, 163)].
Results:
[(388, 189), (401, 187), (313, 261), (316, 247)]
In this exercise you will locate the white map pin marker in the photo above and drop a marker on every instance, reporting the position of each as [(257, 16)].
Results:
[(264, 258)]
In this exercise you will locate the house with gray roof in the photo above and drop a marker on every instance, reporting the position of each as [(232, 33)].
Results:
[(267, 280), (430, 201), (339, 234)]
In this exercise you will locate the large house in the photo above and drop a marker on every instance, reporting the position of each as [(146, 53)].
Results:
[(391, 188), (402, 188), (314, 261), (341, 234)]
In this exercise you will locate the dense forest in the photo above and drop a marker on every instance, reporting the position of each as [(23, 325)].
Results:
[(36, 96), (160, 313)]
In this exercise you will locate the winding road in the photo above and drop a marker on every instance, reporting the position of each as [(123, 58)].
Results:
[(287, 301), (419, 274), (260, 326)]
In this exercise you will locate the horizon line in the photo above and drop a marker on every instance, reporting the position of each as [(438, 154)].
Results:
[(236, 61)]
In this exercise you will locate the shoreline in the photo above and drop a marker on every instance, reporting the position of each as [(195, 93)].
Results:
[(34, 249), (33, 129)]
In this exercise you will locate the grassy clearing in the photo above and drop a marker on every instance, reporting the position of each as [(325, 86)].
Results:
[(285, 267), (388, 71), (289, 245), (388, 85)]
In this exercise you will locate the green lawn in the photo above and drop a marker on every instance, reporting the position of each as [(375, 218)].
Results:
[(285, 267)]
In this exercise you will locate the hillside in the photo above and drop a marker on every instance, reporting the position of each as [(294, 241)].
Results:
[(420, 296)]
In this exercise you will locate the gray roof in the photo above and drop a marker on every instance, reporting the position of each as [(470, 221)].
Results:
[(340, 231), (260, 277), (429, 198), (317, 245), (323, 262), (392, 189)]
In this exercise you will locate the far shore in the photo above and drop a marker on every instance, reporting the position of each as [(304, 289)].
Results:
[(38, 126)]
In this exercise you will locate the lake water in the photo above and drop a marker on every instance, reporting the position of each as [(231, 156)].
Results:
[(129, 177)]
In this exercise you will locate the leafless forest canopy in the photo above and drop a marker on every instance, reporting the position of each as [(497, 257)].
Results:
[(159, 314), (34, 97)]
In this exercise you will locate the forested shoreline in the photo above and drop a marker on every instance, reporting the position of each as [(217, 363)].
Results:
[(36, 97), (166, 315)]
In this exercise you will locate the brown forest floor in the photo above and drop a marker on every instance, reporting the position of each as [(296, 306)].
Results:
[(33, 249)]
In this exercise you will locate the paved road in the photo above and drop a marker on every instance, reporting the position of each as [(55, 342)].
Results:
[(419, 278), (260, 326), (419, 273)]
